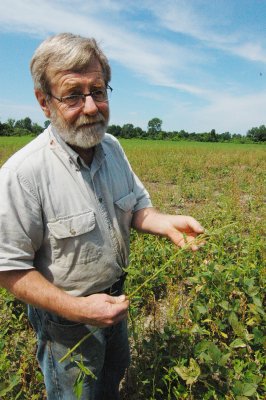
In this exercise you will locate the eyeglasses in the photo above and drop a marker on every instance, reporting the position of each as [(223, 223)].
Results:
[(99, 95)]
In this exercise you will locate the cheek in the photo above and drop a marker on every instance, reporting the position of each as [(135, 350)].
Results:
[(71, 116), (104, 110)]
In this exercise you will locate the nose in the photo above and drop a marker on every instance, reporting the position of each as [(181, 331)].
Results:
[(90, 107)]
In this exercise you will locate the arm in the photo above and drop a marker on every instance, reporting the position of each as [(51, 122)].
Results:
[(21, 235), (178, 228), (31, 287)]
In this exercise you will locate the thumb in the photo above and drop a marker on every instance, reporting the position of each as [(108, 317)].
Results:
[(120, 299), (116, 299), (196, 226)]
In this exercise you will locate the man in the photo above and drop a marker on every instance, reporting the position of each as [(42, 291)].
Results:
[(69, 199)]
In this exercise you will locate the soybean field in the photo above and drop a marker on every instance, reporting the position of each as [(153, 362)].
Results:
[(197, 319)]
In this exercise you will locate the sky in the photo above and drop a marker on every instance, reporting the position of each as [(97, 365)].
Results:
[(197, 65)]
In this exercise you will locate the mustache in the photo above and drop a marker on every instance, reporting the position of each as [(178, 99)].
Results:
[(87, 120)]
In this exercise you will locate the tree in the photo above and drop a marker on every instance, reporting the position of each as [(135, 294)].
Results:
[(213, 136), (114, 130), (127, 131), (24, 123), (4, 129), (46, 123), (28, 124), (138, 132), (226, 136), (182, 134), (154, 126), (257, 134), (36, 128)]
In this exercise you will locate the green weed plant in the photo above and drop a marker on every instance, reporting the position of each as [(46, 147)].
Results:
[(197, 327)]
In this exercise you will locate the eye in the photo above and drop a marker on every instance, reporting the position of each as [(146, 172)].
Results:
[(99, 92), (73, 96), (72, 100)]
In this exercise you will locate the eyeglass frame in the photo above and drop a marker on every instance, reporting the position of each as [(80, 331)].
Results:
[(82, 96)]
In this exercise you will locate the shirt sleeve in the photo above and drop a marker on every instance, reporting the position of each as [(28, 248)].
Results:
[(21, 228), (142, 195)]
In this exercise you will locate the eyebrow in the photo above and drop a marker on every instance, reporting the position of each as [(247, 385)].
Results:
[(79, 86)]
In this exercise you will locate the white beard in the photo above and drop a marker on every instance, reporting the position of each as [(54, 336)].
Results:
[(85, 133)]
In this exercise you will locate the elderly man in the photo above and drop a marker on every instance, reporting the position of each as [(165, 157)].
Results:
[(68, 201)]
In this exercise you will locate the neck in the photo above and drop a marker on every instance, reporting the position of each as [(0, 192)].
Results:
[(85, 154)]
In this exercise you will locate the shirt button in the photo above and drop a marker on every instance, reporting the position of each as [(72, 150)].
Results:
[(72, 232)]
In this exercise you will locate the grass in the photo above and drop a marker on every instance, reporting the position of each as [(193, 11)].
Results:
[(197, 329), (10, 144)]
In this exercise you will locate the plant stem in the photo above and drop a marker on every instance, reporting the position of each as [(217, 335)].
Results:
[(164, 267), (70, 351), (188, 245)]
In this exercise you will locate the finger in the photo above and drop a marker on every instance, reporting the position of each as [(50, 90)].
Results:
[(177, 238), (116, 299), (120, 299), (119, 314), (186, 241), (118, 304), (195, 226)]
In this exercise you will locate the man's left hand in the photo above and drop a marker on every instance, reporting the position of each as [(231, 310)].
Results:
[(180, 229)]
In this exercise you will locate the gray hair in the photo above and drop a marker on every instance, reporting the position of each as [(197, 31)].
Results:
[(65, 52)]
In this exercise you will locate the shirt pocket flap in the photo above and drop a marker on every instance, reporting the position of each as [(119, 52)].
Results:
[(127, 202), (72, 226)]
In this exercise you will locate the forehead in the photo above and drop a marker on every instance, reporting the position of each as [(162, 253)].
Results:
[(90, 75)]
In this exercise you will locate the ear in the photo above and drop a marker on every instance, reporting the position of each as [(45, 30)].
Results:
[(42, 100)]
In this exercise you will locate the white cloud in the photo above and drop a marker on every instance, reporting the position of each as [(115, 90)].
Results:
[(181, 17), (235, 114), (185, 17), (251, 51)]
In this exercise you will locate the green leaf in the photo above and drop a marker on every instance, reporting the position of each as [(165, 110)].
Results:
[(224, 359), (239, 328), (225, 305), (78, 388), (257, 301), (202, 309), (244, 389), (6, 387), (249, 389), (85, 369), (237, 343), (189, 374)]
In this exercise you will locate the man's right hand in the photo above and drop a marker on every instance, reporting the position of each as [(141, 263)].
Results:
[(102, 310), (31, 287)]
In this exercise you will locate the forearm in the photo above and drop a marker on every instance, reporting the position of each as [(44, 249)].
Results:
[(32, 288), (149, 220), (180, 229)]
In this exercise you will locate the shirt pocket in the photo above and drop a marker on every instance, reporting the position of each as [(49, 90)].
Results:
[(124, 211), (74, 239), (127, 202)]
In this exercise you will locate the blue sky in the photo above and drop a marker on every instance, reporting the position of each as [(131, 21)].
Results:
[(196, 64)]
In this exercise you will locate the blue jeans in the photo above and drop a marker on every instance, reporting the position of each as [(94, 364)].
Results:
[(105, 353)]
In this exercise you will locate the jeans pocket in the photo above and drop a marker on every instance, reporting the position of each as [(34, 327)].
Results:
[(67, 333)]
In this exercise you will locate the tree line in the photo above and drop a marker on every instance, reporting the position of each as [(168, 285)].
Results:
[(21, 127), (154, 131)]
